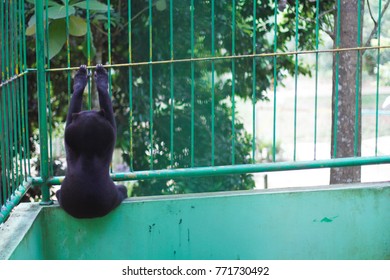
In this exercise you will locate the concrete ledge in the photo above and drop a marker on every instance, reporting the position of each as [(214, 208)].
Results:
[(15, 229), (342, 222)]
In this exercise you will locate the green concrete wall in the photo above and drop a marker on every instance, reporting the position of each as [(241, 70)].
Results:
[(345, 222)]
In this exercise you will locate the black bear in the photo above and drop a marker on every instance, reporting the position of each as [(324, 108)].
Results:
[(87, 190)]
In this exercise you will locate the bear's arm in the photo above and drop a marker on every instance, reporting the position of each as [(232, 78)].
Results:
[(101, 77), (76, 102)]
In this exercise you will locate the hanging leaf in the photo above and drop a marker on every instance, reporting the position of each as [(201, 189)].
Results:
[(32, 20), (30, 30), (99, 17), (161, 5), (57, 37), (71, 2), (94, 5), (77, 26), (57, 12), (50, 2)]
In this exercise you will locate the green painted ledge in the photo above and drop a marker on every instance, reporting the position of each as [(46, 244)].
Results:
[(344, 222)]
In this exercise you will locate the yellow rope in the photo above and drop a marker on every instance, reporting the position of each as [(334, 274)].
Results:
[(13, 78), (228, 57)]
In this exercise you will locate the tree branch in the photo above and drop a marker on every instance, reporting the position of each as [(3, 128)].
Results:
[(374, 31), (369, 10), (327, 12), (319, 16), (330, 34)]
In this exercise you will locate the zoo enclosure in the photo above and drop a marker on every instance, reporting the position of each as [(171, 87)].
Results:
[(16, 174)]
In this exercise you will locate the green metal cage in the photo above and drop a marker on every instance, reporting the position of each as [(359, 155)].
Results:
[(18, 71)]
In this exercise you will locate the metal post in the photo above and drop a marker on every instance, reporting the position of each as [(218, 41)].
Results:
[(42, 113)]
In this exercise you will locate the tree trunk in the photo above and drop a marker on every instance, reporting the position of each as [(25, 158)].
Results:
[(347, 134)]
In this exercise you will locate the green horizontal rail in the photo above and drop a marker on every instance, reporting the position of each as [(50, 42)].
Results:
[(14, 200), (233, 169)]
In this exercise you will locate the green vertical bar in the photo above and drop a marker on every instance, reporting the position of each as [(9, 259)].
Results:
[(275, 80), (25, 90), (13, 124), (336, 110), (357, 95), (89, 35), (130, 89), (2, 107), (19, 124), (68, 49), (233, 81), (40, 57), (17, 128), (378, 61), (2, 40), (109, 30), (192, 8), (17, 91), (23, 162), (212, 83), (2, 131), (14, 119), (316, 79), (6, 161), (172, 97), (109, 47), (296, 77), (3, 197), (9, 50), (22, 129), (51, 171), (109, 55), (151, 83), (254, 83)]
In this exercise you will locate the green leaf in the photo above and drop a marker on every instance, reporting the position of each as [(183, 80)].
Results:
[(77, 26), (49, 3), (94, 5), (57, 37), (32, 20), (100, 17), (31, 26), (30, 30), (71, 2), (57, 12), (161, 5)]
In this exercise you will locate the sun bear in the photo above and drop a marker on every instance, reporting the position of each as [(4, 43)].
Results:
[(88, 190)]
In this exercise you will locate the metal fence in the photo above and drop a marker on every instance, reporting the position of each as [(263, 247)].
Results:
[(14, 129), (178, 72)]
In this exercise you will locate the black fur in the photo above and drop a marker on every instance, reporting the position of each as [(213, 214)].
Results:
[(87, 190)]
